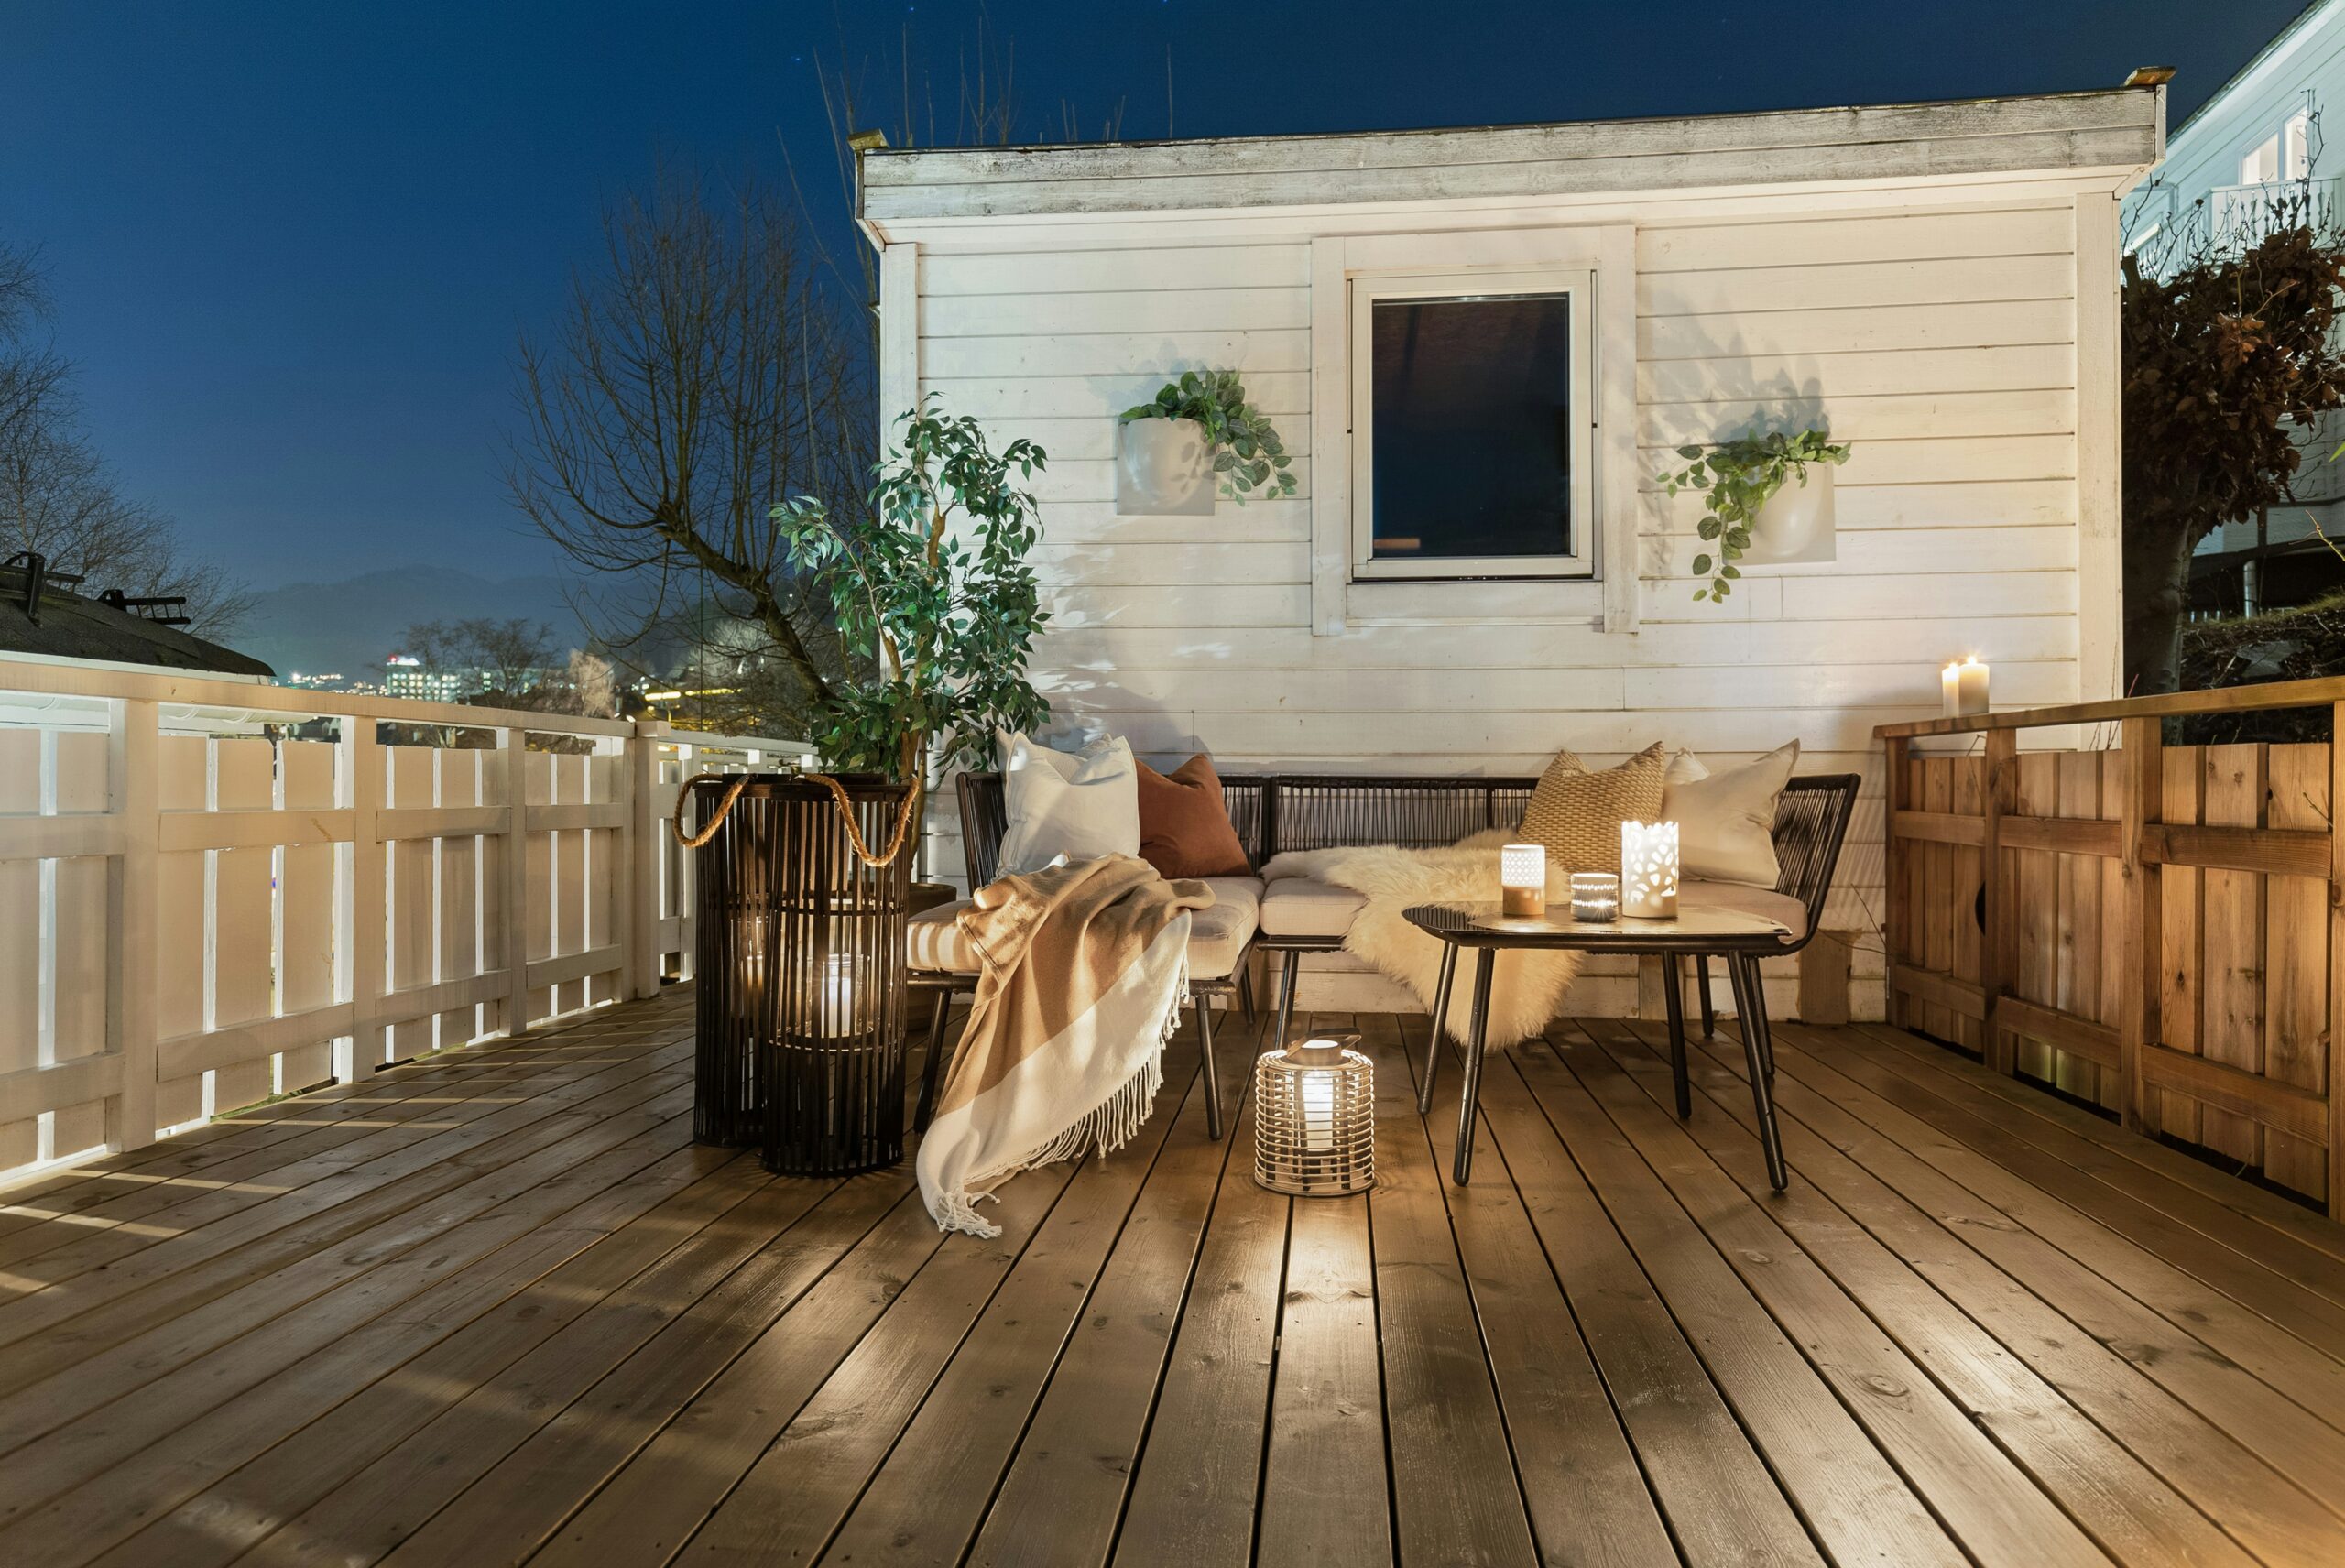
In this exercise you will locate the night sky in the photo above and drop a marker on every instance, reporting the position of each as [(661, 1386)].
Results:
[(292, 243)]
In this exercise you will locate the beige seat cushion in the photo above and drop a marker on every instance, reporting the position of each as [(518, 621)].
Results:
[(1304, 906), (1218, 935), (1763, 902)]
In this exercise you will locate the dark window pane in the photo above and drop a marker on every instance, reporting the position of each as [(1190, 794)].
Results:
[(1473, 448)]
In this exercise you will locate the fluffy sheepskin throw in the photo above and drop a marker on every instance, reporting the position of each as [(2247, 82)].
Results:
[(1527, 986)]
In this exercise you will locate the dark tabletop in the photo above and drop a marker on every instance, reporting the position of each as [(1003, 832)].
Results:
[(1695, 930)]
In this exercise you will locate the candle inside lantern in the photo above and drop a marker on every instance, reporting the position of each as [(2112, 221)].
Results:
[(1596, 895), (1962, 689), (1649, 870), (1318, 1091), (837, 1002), (1523, 881)]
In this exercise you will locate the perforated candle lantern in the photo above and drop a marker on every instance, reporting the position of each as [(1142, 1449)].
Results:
[(1596, 895), (1314, 1118), (1523, 881), (1649, 870)]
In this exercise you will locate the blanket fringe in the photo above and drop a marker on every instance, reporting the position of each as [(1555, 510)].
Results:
[(1110, 1124)]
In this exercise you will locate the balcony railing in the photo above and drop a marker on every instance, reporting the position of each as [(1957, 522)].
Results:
[(212, 892)]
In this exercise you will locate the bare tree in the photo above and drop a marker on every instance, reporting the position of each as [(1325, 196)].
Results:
[(57, 498), (699, 375)]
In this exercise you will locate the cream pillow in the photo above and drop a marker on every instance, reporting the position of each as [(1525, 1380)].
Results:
[(1080, 804), (1725, 820), (1578, 814)]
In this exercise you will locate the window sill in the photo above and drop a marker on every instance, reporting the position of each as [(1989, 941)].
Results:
[(1484, 602)]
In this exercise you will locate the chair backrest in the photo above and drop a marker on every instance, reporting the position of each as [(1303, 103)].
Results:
[(1274, 813), (1811, 822)]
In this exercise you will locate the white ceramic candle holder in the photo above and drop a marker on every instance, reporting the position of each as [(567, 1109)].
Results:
[(1649, 870), (1523, 881)]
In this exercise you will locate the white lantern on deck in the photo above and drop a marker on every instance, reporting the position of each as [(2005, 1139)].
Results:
[(1314, 1118)]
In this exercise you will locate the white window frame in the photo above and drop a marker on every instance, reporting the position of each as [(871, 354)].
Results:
[(1579, 285), (1340, 598)]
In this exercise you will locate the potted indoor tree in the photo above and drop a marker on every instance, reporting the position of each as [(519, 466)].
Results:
[(1750, 515), (938, 620), (1199, 430)]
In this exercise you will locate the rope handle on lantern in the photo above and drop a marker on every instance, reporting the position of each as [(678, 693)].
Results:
[(904, 814)]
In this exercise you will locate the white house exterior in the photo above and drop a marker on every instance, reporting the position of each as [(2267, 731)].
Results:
[(1938, 282), (2258, 141)]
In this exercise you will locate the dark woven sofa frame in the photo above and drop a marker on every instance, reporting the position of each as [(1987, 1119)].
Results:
[(1274, 813)]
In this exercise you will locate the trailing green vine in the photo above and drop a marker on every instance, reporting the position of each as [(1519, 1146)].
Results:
[(1246, 451), (1737, 478)]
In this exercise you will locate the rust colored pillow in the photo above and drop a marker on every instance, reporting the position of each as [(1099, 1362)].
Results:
[(1184, 827)]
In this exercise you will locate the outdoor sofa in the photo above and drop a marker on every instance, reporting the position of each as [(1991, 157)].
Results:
[(1274, 813)]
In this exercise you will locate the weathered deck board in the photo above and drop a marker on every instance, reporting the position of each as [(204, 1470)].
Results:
[(494, 1307)]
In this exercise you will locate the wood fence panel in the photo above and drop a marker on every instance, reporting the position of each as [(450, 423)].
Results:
[(2235, 780), (1937, 889), (2078, 889), (2115, 966), (2161, 931), (1971, 801), (2035, 909), (411, 945), (23, 766), (2295, 969), (2182, 975)]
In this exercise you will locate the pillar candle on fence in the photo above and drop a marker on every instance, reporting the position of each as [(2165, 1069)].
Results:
[(1962, 689)]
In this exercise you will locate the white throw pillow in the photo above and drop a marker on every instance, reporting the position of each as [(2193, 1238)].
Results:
[(1080, 805), (1725, 820)]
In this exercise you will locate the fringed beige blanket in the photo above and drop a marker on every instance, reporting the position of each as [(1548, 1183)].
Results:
[(1085, 968)]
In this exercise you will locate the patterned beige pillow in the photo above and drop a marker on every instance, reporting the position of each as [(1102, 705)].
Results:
[(1578, 814)]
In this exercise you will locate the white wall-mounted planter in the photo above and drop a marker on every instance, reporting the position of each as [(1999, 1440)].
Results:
[(1164, 468), (1795, 526)]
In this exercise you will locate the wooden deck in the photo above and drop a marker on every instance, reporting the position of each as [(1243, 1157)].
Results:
[(497, 1309)]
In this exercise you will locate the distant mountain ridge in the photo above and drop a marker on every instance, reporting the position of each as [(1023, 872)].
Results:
[(350, 627)]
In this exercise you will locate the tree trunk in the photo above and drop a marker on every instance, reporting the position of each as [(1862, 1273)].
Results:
[(2157, 580)]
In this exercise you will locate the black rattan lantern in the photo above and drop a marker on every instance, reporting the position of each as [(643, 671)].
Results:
[(801, 973)]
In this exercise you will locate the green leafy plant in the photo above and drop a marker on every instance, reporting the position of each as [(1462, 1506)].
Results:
[(1737, 478), (943, 620), (1246, 451)]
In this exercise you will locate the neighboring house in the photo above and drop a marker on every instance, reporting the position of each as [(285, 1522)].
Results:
[(1937, 282), (41, 618), (2258, 146)]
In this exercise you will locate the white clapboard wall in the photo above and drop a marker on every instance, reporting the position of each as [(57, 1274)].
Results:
[(1940, 334), (199, 909)]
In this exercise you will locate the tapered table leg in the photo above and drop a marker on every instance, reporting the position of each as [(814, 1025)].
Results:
[(1750, 1002), (1203, 1005), (1709, 1008), (1440, 1011), (1673, 996), (1478, 1035), (1286, 999)]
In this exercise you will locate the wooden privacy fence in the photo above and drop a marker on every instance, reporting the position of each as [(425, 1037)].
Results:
[(211, 891), (2155, 929)]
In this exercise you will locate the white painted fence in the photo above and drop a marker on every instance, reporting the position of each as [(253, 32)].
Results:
[(212, 892)]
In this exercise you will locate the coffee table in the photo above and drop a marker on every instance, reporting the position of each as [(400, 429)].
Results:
[(1741, 939)]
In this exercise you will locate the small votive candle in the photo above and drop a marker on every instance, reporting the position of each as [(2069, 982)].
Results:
[(1596, 895), (1523, 881), (1962, 689), (1649, 870)]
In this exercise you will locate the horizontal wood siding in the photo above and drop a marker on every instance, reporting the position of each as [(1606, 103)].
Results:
[(1941, 342)]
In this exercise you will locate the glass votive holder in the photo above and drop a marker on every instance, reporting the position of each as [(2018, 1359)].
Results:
[(1596, 895)]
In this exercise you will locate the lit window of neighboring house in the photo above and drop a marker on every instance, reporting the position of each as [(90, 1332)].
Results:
[(2286, 154)]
